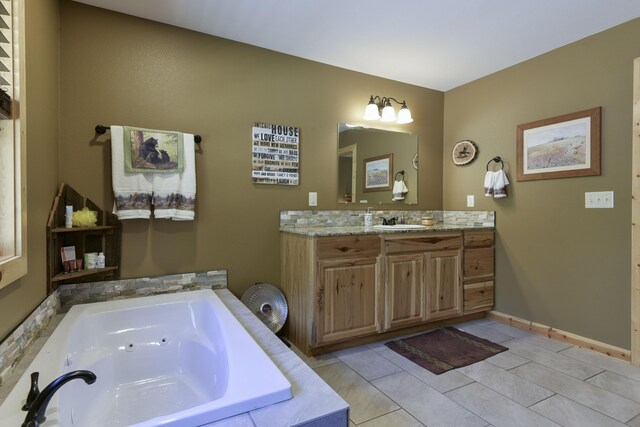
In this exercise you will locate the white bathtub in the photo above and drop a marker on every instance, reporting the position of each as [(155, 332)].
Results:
[(178, 360)]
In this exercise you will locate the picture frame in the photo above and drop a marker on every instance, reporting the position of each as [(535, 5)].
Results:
[(560, 147), (377, 173)]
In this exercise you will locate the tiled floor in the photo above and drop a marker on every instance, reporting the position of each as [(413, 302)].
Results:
[(537, 382)]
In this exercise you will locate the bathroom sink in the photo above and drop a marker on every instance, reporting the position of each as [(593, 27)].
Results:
[(401, 227)]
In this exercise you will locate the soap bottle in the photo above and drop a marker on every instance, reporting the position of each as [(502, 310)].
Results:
[(368, 218), (100, 260)]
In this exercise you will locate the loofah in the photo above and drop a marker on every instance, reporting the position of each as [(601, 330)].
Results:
[(84, 218)]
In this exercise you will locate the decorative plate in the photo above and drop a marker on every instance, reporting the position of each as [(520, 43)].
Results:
[(464, 152)]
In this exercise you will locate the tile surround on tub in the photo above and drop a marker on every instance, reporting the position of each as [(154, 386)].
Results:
[(345, 218), (13, 348)]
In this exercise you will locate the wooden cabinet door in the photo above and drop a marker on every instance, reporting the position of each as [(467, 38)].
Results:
[(404, 290), (444, 297), (347, 303)]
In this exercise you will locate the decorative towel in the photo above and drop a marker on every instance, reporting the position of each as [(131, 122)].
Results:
[(174, 194), (399, 190), (488, 183), (500, 183), (132, 191)]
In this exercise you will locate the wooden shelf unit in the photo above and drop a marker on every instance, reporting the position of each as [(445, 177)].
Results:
[(105, 237)]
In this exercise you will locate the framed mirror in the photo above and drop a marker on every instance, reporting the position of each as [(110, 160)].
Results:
[(370, 162)]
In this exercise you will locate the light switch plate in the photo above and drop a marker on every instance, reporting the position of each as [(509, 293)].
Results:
[(313, 198), (598, 199), (471, 201)]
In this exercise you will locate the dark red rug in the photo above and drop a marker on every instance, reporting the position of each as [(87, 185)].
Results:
[(444, 349)]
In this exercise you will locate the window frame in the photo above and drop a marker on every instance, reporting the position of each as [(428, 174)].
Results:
[(14, 266)]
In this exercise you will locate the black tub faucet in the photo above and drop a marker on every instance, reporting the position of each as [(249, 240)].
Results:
[(37, 406)]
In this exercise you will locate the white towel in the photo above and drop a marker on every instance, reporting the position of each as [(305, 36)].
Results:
[(399, 190), (174, 194), (500, 183), (132, 191), (488, 183)]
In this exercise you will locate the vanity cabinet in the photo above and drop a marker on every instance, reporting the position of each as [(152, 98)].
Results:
[(478, 270), (422, 278), (348, 290)]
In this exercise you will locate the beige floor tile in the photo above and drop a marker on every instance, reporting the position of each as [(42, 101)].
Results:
[(368, 363), (568, 413), (497, 409), (426, 404), (507, 384), (365, 400), (553, 360), (399, 418), (610, 404), (315, 361), (442, 383), (507, 360), (617, 384), (603, 361)]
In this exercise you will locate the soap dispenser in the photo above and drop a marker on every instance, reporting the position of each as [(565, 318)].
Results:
[(368, 218)]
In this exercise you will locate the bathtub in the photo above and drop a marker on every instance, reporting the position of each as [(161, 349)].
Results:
[(178, 360)]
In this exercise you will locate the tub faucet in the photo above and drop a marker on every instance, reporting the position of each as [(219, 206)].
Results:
[(38, 406)]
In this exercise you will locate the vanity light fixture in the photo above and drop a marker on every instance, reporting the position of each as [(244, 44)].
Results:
[(373, 109)]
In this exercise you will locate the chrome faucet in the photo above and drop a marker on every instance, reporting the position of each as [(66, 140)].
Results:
[(37, 401)]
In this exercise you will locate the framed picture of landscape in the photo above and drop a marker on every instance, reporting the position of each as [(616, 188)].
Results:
[(560, 147), (377, 173)]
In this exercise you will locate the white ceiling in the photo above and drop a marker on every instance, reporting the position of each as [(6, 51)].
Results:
[(438, 44)]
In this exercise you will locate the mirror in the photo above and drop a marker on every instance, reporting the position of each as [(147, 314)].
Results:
[(370, 161)]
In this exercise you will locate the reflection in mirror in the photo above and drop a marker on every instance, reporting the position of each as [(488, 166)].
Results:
[(361, 176)]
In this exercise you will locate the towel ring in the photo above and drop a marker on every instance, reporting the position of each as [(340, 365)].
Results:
[(495, 159), (399, 173)]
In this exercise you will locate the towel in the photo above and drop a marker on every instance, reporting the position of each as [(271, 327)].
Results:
[(500, 183), (488, 183), (399, 190), (174, 194), (132, 191)]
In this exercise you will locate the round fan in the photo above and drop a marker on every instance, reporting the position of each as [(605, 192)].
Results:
[(268, 303)]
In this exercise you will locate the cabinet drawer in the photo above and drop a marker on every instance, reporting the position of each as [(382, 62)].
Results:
[(348, 246), (478, 239), (478, 296), (423, 243), (478, 262)]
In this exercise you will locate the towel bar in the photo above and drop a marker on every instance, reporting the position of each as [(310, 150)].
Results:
[(101, 130)]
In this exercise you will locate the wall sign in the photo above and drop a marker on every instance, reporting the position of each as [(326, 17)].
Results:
[(275, 154)]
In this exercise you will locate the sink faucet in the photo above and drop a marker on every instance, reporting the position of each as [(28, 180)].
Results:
[(38, 406), (390, 221)]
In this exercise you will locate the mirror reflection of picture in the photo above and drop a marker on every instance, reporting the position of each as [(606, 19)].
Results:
[(356, 143), (377, 171)]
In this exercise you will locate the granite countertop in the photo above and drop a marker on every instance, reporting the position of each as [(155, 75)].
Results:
[(322, 231)]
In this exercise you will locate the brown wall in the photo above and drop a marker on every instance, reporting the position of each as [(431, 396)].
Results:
[(118, 69), (41, 135), (557, 263)]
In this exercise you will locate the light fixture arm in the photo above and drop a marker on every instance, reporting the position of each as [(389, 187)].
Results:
[(382, 101)]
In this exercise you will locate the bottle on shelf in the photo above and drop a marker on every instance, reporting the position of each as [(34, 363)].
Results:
[(100, 260)]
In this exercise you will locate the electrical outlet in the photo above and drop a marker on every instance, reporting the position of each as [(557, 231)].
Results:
[(471, 201), (598, 199), (313, 198)]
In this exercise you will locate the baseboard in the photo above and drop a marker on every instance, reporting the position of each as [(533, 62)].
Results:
[(556, 334)]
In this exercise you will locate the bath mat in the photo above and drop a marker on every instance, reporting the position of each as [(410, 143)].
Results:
[(444, 349)]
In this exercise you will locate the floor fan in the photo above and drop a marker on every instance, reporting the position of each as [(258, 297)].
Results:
[(269, 304)]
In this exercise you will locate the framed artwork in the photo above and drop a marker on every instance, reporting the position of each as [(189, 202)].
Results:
[(560, 147), (463, 153), (377, 173)]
